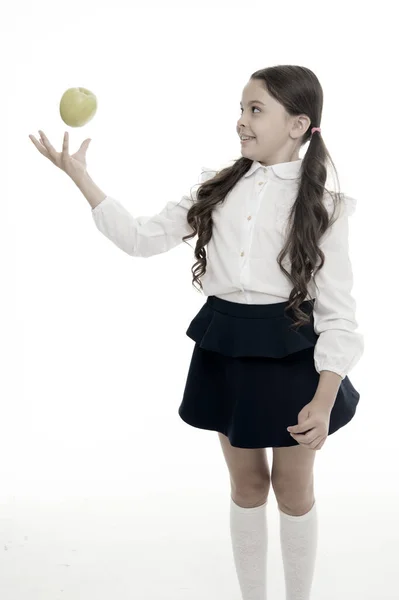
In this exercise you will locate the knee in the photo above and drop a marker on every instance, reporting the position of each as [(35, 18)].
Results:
[(294, 497), (250, 493)]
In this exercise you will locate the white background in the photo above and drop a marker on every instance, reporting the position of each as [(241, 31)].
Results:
[(104, 490)]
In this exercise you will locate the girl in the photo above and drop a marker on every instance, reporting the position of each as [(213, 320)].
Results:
[(273, 343)]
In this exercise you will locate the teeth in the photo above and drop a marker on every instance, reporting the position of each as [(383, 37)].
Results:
[(247, 138)]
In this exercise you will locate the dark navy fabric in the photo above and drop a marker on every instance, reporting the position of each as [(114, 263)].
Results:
[(251, 373)]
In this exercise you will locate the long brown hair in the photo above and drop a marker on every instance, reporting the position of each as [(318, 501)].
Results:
[(299, 91)]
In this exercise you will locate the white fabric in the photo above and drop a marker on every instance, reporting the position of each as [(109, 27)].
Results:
[(249, 537), (248, 233), (298, 537)]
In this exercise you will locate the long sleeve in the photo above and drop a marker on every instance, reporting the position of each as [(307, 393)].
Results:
[(146, 236), (339, 346)]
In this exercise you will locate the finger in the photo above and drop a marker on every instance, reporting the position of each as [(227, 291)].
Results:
[(305, 436), (316, 442), (83, 148), (65, 145), (307, 446), (50, 149), (39, 146), (303, 427), (300, 441), (34, 140), (38, 141), (305, 439), (321, 443)]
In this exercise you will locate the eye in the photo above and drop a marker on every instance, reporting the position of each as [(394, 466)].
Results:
[(253, 107)]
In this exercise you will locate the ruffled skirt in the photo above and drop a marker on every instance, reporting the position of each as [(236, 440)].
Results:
[(251, 373)]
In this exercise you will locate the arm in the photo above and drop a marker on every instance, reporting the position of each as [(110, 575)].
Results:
[(90, 190), (327, 388), (142, 236), (339, 346)]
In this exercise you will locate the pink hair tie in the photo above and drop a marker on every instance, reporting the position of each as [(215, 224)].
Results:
[(315, 129)]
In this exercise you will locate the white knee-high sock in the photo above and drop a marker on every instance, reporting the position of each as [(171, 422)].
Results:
[(248, 528), (298, 536)]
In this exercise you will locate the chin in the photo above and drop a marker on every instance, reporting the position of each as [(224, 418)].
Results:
[(246, 151)]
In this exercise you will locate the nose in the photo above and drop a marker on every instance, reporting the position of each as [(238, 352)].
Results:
[(241, 125)]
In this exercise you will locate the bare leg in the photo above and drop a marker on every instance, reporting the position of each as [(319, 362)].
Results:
[(292, 480), (250, 484)]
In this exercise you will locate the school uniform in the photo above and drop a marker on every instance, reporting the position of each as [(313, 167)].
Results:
[(251, 373)]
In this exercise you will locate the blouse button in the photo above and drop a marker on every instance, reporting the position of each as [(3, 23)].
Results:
[(242, 253), (249, 218), (261, 183)]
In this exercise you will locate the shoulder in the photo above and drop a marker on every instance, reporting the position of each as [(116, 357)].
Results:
[(206, 174), (347, 204), (350, 204)]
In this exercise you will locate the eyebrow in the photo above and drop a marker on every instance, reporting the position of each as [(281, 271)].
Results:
[(254, 102)]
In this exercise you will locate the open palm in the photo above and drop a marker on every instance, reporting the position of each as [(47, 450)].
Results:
[(73, 165)]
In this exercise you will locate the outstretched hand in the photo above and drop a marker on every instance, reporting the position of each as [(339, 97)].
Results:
[(73, 165)]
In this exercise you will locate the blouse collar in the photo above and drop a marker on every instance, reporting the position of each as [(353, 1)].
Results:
[(285, 170)]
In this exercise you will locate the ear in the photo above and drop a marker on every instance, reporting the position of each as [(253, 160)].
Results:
[(300, 126)]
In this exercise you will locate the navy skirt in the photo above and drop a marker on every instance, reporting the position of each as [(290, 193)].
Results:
[(251, 373)]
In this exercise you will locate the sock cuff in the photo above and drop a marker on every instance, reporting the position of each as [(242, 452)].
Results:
[(242, 509)]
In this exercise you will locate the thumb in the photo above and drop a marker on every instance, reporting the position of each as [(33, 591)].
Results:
[(302, 425), (85, 144)]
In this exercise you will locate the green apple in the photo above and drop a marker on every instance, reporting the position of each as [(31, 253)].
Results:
[(78, 106)]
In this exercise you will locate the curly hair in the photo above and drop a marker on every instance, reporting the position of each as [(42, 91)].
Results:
[(299, 91)]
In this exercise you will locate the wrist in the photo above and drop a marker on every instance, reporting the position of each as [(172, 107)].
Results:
[(93, 194), (81, 179), (329, 382), (324, 401)]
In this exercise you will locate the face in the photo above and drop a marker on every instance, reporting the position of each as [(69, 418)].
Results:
[(277, 134)]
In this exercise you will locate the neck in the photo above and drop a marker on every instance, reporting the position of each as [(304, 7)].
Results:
[(270, 162), (281, 156)]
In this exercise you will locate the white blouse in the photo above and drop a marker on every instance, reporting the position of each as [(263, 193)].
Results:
[(248, 233)]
